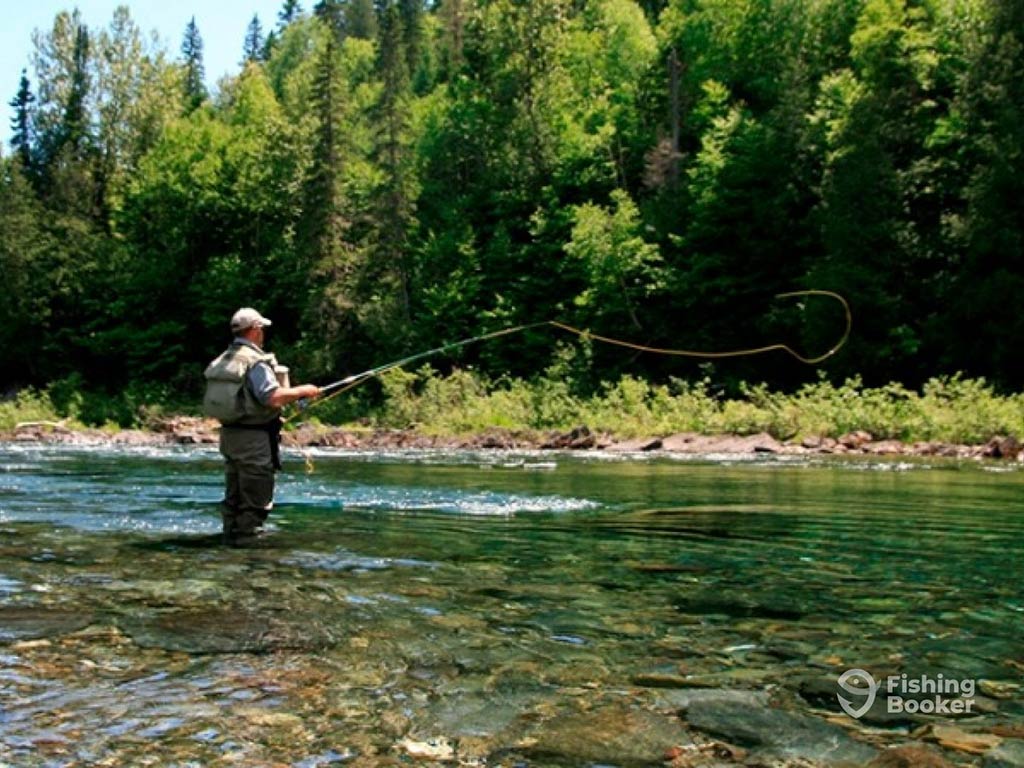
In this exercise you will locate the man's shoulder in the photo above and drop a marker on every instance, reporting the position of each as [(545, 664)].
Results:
[(250, 352)]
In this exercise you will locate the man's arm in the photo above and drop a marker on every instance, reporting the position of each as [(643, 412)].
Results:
[(264, 386), (281, 396)]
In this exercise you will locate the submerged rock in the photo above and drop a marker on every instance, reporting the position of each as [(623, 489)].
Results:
[(1009, 754), (954, 737), (485, 714), (612, 735), (226, 631), (910, 756), (777, 733), (431, 749), (741, 606), (821, 691), (34, 622), (682, 700)]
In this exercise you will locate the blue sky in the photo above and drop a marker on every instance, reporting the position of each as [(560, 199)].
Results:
[(221, 23)]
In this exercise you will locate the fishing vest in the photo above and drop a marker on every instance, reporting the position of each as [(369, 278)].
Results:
[(227, 397)]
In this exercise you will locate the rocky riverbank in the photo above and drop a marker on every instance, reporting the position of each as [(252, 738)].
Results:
[(185, 430)]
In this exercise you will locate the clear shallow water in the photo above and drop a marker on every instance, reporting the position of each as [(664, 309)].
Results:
[(487, 604)]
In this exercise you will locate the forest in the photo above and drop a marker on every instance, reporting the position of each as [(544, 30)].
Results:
[(384, 177)]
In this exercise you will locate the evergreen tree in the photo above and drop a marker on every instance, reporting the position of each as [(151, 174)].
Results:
[(328, 257), (328, 93), (876, 218), (268, 46), (23, 141), (332, 14), (290, 11), (977, 331), (254, 43), (30, 279), (75, 126), (396, 204), (453, 24), (66, 169), (192, 55), (361, 19), (129, 105), (411, 14)]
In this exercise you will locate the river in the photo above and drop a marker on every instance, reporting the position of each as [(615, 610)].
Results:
[(508, 609)]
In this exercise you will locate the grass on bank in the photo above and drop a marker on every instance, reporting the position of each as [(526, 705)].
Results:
[(69, 403), (949, 409)]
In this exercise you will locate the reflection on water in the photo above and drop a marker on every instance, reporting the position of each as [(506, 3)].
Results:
[(487, 608)]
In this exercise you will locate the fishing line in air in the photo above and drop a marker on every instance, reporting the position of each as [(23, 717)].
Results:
[(341, 386)]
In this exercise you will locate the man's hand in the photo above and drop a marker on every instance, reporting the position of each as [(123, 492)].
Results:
[(309, 391)]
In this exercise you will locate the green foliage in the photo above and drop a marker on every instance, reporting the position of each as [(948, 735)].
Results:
[(379, 179), (68, 402), (622, 269), (950, 409), (28, 405)]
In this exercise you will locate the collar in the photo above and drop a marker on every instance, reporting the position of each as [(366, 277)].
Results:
[(240, 340)]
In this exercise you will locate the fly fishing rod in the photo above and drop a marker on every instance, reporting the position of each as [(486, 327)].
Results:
[(342, 385), (358, 378)]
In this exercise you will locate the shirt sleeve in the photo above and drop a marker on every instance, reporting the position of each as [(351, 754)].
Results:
[(262, 382)]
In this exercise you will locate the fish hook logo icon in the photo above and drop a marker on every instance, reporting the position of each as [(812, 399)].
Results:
[(857, 690)]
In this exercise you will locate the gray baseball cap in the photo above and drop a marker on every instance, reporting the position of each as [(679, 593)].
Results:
[(247, 318)]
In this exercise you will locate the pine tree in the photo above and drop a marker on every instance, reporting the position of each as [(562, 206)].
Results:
[(62, 122), (29, 261), (990, 275), (331, 314), (290, 11), (332, 14), (192, 53), (361, 19), (74, 128), (268, 46), (21, 123), (411, 12), (453, 19), (396, 199), (325, 224), (253, 49)]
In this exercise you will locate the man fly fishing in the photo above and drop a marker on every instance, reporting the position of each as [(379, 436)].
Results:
[(245, 391)]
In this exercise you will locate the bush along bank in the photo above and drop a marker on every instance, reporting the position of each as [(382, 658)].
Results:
[(949, 416)]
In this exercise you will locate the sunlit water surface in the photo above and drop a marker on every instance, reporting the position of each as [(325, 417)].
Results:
[(469, 601)]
